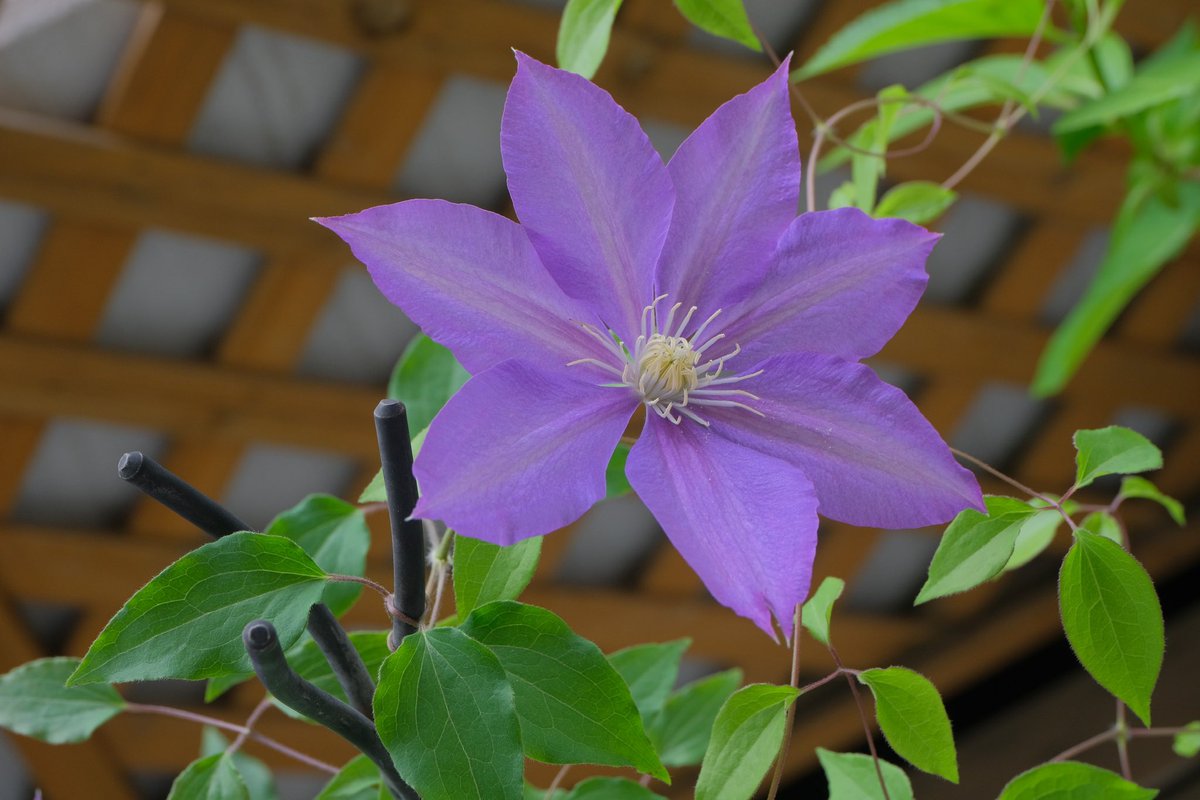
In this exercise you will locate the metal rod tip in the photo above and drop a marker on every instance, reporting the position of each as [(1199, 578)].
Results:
[(129, 464), (259, 634), (390, 408)]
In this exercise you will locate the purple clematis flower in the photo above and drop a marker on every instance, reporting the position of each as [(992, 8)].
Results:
[(691, 289)]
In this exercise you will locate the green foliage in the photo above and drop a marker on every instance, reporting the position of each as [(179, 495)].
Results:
[(1149, 231), (35, 701), (1104, 524), (442, 702), (913, 719), (868, 166), (818, 609), (852, 776), (573, 707), (1112, 451), (650, 671), (187, 622), (1070, 780), (1112, 619), (916, 201), (210, 778), (615, 481), (724, 18), (484, 572), (681, 730), (1037, 531), (745, 740), (426, 376), (583, 34), (904, 24), (358, 780), (260, 783), (609, 789), (1187, 742), (1134, 486), (975, 547), (335, 534), (1155, 84)]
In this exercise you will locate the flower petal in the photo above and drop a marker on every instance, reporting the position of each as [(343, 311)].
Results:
[(519, 452), (745, 521), (737, 186), (589, 188), (840, 283), (469, 278), (874, 460)]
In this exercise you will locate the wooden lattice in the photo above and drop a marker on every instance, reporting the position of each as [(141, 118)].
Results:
[(105, 181)]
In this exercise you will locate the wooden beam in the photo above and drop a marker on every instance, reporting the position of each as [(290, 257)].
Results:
[(89, 174)]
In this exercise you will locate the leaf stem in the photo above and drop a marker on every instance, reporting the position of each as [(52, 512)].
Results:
[(790, 718), (378, 587), (251, 720), (1016, 484), (862, 715), (1111, 733), (1122, 734), (266, 741)]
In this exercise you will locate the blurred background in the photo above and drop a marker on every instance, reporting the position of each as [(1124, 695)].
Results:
[(162, 289)]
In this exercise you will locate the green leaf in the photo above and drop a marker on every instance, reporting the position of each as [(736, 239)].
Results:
[(1147, 234), (358, 780), (724, 18), (904, 24), (1112, 619), (1153, 85), (574, 708), (1112, 451), (187, 622), (583, 34), (818, 609), (745, 740), (425, 377), (650, 671), (916, 201), (484, 572), (260, 783), (609, 789), (336, 535), (35, 701), (444, 709), (1070, 780), (681, 730), (1134, 486), (913, 719), (1187, 742), (844, 196), (310, 663), (852, 776), (1037, 531), (866, 168), (975, 547), (1103, 524), (615, 481), (211, 778)]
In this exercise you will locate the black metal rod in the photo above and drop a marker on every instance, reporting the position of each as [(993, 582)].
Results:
[(270, 663), (347, 665), (176, 494), (408, 536)]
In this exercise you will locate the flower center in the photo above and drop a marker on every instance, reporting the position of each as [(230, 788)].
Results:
[(667, 370)]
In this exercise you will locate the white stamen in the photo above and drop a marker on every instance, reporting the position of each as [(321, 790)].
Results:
[(664, 366)]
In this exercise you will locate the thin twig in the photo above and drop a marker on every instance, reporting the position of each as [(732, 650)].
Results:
[(251, 720), (791, 712), (558, 779), (1111, 733), (179, 713), (1016, 484), (862, 715), (442, 571)]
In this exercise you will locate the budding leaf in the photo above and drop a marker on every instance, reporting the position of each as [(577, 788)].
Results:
[(975, 547), (818, 609), (1113, 451), (745, 741)]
